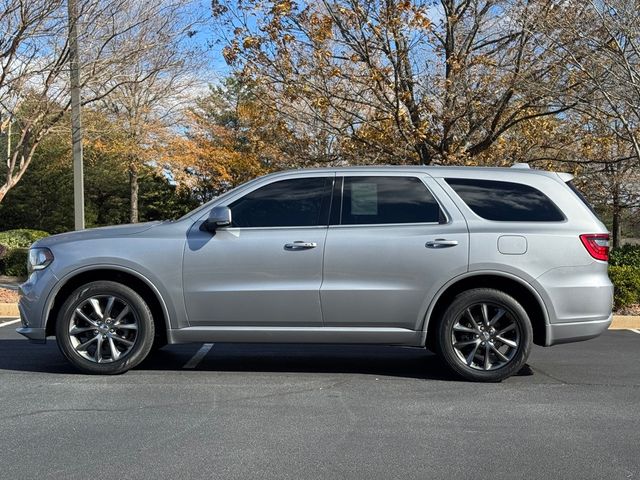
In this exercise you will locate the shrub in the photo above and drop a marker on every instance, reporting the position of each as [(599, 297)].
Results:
[(21, 238), (627, 255), (14, 263), (14, 245), (626, 282)]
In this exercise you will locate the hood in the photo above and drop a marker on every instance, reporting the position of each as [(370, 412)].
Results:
[(101, 232)]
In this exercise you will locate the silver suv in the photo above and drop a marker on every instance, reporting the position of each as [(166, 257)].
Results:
[(476, 264)]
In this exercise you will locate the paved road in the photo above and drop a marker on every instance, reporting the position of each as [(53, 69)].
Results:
[(297, 412)]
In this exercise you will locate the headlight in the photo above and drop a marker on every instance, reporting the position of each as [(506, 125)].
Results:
[(39, 258)]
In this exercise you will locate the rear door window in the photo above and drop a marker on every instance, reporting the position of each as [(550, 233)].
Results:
[(506, 201), (384, 200)]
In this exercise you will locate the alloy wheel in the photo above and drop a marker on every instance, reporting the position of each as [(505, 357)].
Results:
[(485, 336), (103, 329)]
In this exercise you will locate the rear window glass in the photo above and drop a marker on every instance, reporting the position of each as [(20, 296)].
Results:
[(380, 200), (579, 194), (506, 201)]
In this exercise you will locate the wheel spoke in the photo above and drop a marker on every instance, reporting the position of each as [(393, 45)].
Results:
[(461, 328), (506, 341), (498, 353), (472, 354), (121, 315), (98, 354), (465, 343), (75, 330), (95, 303), (115, 353), (497, 316), (81, 314), (471, 319), (485, 313), (83, 346), (506, 329), (127, 326), (122, 340), (107, 309), (487, 360)]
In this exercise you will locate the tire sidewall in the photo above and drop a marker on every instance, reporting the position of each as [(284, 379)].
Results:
[(144, 339), (452, 314)]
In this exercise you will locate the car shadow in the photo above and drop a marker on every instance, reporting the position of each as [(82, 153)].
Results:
[(20, 356), (402, 362), (304, 358)]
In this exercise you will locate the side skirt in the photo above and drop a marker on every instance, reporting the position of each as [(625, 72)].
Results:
[(248, 334)]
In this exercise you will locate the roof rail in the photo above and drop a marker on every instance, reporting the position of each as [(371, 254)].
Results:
[(520, 165)]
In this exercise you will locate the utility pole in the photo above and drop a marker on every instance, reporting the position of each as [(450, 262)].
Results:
[(76, 118)]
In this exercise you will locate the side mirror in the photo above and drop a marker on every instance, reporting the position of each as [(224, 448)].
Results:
[(218, 217)]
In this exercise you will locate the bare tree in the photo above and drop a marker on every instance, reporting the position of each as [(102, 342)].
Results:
[(149, 93), (34, 55), (606, 59), (418, 81)]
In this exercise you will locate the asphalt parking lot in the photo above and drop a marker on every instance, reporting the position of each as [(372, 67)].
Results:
[(297, 412)]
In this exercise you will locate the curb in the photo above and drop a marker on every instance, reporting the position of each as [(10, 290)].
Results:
[(9, 310), (625, 322), (620, 322)]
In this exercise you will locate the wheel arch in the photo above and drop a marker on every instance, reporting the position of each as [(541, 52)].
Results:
[(126, 276), (514, 286)]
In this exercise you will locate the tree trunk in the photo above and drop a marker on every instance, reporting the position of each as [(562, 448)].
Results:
[(616, 230), (424, 154), (133, 182)]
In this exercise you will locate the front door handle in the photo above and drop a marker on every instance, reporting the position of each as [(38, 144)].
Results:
[(299, 245), (441, 243)]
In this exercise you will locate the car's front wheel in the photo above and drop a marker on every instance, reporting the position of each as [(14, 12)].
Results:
[(105, 327), (485, 335)]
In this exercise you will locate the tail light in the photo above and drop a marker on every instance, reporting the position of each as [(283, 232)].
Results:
[(597, 244)]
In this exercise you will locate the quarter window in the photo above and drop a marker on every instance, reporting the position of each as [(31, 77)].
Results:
[(299, 202), (506, 201), (380, 200)]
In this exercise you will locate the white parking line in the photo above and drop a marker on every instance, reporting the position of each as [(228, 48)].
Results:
[(199, 355), (10, 322), (634, 330)]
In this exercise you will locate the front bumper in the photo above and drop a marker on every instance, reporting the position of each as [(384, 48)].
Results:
[(35, 335), (32, 304)]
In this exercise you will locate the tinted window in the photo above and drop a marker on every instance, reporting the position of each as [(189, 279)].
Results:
[(579, 194), (297, 202), (506, 201), (368, 200)]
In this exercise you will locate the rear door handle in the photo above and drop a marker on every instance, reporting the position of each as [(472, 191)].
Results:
[(441, 243), (299, 245)]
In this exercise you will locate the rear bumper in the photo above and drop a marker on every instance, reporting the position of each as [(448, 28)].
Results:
[(579, 300), (576, 331)]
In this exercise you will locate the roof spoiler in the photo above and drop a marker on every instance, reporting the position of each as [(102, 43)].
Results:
[(565, 177)]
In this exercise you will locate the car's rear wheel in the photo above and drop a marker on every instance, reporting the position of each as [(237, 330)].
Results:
[(105, 328), (485, 335)]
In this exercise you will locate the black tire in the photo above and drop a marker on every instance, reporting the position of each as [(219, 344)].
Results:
[(457, 314), (159, 343), (139, 311)]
